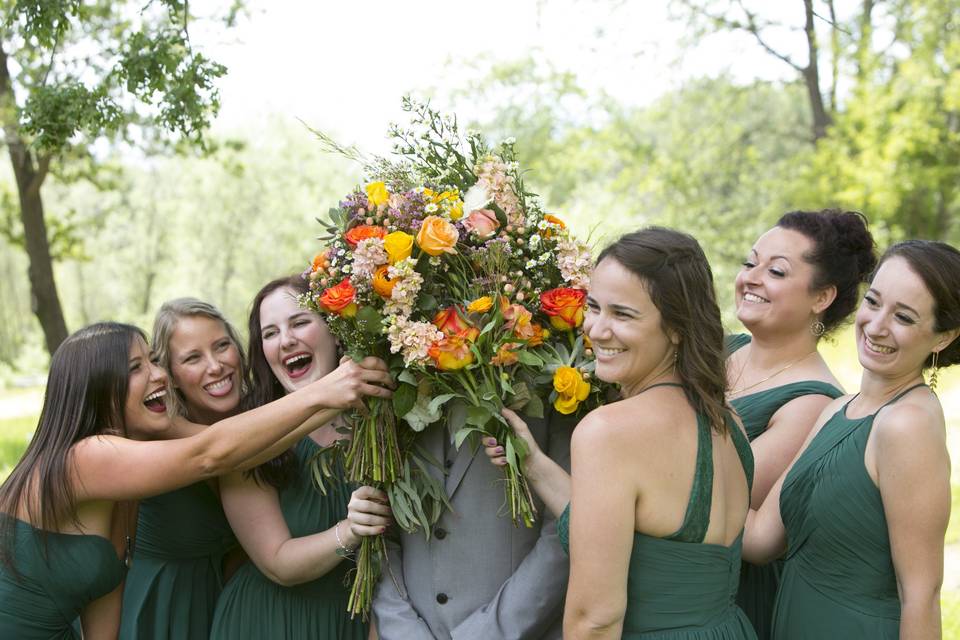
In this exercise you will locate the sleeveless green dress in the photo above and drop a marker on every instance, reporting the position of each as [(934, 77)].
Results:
[(838, 581), (177, 570), (53, 584), (678, 587), (254, 607), (758, 583)]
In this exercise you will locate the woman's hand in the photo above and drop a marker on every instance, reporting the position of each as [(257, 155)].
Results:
[(495, 450), (368, 514), (346, 386)]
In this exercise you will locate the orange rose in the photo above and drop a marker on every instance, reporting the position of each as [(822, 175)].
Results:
[(339, 299), (437, 236), (564, 306), (362, 232), (505, 355), (451, 353), (452, 323), (555, 220), (382, 283)]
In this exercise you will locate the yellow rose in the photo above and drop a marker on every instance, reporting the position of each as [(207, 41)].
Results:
[(456, 211), (437, 236), (565, 405), (399, 245), (377, 194), (480, 305), (566, 381)]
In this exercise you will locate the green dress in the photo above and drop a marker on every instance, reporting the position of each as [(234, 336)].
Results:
[(679, 588), (177, 569), (758, 583), (55, 583), (252, 606), (838, 581)]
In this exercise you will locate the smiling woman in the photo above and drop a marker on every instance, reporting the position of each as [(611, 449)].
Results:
[(862, 510)]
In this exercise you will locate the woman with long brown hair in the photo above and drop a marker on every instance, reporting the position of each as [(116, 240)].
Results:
[(660, 482), (58, 505)]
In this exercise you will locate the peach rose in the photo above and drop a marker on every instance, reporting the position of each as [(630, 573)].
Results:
[(482, 222), (451, 353), (437, 236)]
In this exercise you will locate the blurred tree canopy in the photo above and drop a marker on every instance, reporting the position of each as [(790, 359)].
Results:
[(73, 73), (719, 157)]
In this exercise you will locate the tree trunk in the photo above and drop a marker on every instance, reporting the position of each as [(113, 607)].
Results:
[(30, 176), (811, 77)]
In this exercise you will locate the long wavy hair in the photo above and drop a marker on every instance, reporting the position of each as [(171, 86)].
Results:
[(85, 396), (165, 323), (680, 283), (264, 386)]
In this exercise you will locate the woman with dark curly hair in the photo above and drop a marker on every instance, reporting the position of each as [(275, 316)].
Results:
[(798, 283), (862, 511)]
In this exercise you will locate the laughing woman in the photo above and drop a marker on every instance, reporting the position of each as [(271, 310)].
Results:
[(183, 538), (296, 537), (863, 509), (798, 283), (57, 506)]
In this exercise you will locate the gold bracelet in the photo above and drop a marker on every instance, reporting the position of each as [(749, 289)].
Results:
[(342, 550)]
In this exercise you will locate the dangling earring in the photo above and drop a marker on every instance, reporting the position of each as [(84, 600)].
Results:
[(933, 374), (817, 329)]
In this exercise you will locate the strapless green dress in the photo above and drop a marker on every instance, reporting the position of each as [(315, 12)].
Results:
[(177, 571), (758, 583), (254, 607), (679, 588), (53, 583), (839, 580)]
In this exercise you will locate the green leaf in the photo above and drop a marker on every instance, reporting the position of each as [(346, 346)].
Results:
[(462, 435), (534, 407), (478, 416), (370, 321), (529, 358), (407, 376), (404, 397), (439, 401), (456, 415)]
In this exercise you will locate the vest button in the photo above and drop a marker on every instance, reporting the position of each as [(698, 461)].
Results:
[(442, 598), (440, 533)]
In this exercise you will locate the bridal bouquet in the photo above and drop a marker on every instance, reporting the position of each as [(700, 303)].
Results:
[(447, 267)]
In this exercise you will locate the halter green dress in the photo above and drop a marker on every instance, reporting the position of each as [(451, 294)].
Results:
[(838, 581), (254, 607), (177, 570), (678, 587), (758, 583), (55, 583)]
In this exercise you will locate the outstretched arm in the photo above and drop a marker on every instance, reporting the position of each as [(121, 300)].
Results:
[(115, 468)]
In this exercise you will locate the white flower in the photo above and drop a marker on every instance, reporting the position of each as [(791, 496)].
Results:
[(475, 198), (510, 140), (430, 208)]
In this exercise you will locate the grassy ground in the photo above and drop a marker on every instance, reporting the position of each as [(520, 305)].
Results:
[(19, 409)]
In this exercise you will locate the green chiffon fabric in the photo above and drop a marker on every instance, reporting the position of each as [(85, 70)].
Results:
[(758, 583), (678, 587), (54, 580), (838, 580), (177, 571), (254, 607)]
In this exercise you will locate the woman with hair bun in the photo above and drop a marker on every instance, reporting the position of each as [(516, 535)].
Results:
[(862, 511), (799, 282), (660, 482)]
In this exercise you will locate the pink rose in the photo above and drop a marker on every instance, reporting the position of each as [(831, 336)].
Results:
[(482, 222)]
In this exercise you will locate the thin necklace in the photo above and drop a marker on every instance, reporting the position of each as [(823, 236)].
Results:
[(762, 380)]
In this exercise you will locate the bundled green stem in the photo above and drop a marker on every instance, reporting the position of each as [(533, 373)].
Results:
[(369, 555)]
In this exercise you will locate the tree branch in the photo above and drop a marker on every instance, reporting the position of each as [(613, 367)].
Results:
[(754, 29)]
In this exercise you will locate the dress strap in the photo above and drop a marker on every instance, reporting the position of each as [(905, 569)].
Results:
[(901, 394), (696, 520), (744, 451)]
